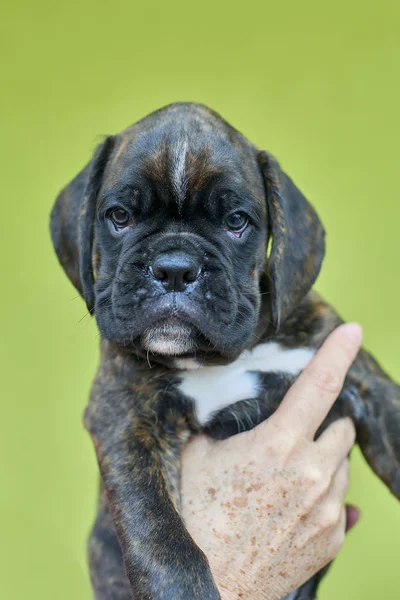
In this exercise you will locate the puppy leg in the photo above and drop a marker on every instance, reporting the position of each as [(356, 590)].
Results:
[(106, 566), (373, 401), (139, 464), (369, 396)]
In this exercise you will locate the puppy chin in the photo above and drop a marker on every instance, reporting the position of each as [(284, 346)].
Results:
[(169, 339)]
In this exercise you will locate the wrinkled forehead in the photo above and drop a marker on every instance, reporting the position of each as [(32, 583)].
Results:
[(184, 158)]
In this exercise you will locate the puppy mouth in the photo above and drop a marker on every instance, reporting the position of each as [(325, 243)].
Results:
[(169, 337), (173, 325)]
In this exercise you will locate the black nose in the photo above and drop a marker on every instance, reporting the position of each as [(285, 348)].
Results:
[(175, 269)]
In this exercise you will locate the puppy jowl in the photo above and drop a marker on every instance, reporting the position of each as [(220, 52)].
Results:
[(165, 234)]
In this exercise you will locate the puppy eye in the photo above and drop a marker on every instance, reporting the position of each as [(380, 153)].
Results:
[(119, 217), (237, 222)]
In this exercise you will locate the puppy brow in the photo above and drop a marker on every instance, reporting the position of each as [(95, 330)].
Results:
[(232, 200), (128, 195)]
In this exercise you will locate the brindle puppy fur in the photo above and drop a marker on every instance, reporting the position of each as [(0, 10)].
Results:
[(177, 174)]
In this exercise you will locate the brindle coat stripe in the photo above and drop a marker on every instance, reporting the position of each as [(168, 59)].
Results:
[(137, 417), (138, 444), (87, 218), (72, 220), (298, 244)]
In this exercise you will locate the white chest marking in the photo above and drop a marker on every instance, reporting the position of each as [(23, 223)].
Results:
[(213, 388)]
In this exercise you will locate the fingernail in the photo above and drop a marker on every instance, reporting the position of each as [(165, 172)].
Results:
[(353, 331)]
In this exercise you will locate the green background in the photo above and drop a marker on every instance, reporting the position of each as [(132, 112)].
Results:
[(315, 83)]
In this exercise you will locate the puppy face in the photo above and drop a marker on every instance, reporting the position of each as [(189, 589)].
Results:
[(181, 231), (177, 212)]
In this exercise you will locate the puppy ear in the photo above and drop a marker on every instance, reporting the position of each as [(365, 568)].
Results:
[(72, 222), (298, 240)]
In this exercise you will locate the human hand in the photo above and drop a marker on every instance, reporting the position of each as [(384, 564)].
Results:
[(267, 506)]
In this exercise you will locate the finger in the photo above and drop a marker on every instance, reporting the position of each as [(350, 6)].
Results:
[(335, 443), (340, 482), (342, 525), (352, 516), (314, 392), (339, 490), (338, 536)]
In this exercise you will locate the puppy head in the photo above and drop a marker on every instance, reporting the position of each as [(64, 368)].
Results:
[(165, 231)]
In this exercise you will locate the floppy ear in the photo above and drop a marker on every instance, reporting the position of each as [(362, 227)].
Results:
[(298, 244), (72, 222)]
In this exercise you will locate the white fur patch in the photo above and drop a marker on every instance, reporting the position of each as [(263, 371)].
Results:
[(178, 175), (213, 388), (168, 339), (187, 364)]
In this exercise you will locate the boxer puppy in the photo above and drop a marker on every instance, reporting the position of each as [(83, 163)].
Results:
[(197, 255)]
